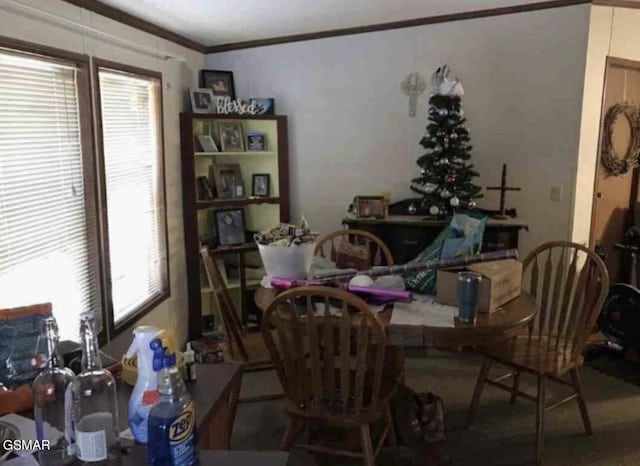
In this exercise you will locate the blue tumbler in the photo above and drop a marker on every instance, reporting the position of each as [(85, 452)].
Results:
[(468, 284)]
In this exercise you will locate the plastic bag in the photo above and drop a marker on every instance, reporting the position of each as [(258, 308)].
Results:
[(463, 236)]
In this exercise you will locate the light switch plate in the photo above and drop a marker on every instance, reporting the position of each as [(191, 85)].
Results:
[(556, 193)]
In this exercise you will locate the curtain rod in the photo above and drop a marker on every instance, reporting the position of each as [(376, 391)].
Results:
[(27, 10)]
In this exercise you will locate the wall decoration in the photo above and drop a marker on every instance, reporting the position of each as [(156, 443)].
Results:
[(370, 206), (502, 213), (256, 141), (413, 86), (264, 106), (207, 143), (226, 106), (260, 184), (230, 226), (202, 101), (231, 136), (228, 180), (619, 164), (220, 82)]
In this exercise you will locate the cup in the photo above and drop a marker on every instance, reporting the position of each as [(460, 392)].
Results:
[(468, 285)]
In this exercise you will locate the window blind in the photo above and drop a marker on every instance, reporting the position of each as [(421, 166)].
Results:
[(45, 251), (134, 185)]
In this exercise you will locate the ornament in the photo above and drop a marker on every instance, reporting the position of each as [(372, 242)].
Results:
[(450, 179), (445, 194), (453, 136), (412, 209), (423, 172), (429, 188), (443, 112), (443, 161), (413, 86), (454, 201), (471, 204), (434, 210), (441, 84)]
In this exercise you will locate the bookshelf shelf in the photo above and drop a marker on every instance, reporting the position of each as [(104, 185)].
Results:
[(251, 152), (245, 201)]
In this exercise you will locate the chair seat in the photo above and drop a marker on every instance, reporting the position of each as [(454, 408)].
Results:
[(538, 355)]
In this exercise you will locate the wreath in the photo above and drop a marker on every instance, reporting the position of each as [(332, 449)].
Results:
[(614, 163)]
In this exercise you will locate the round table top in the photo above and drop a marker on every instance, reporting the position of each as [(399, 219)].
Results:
[(503, 323)]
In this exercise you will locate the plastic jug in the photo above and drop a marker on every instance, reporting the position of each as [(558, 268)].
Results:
[(144, 393)]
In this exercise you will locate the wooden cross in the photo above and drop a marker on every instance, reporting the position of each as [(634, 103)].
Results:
[(503, 191)]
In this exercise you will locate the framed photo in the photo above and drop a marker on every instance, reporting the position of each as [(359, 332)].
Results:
[(230, 226), (370, 206), (202, 101), (256, 141), (207, 143), (231, 136), (264, 106), (205, 191), (260, 184), (220, 82), (228, 180)]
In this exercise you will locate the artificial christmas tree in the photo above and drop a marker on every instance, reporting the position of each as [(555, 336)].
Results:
[(446, 178)]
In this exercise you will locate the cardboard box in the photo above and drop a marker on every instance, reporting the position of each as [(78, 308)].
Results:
[(501, 282)]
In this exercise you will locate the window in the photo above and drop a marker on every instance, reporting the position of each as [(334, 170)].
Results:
[(134, 239), (47, 220)]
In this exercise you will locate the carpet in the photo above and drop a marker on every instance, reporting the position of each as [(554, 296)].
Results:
[(613, 363), (503, 433)]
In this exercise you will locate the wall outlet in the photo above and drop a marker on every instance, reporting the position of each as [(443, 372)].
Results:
[(556, 193)]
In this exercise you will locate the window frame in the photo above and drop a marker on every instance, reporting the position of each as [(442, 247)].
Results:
[(82, 63), (164, 294)]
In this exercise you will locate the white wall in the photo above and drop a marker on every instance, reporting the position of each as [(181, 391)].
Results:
[(177, 75), (614, 32), (350, 133)]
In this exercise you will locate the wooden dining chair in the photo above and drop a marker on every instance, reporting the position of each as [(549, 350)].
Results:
[(240, 346), (569, 283), (378, 253), (338, 379)]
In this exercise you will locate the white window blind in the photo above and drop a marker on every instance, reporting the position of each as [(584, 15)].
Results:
[(134, 185), (44, 244)]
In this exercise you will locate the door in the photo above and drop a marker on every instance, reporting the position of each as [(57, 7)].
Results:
[(616, 197)]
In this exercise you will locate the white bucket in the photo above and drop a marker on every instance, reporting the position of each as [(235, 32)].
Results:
[(287, 262)]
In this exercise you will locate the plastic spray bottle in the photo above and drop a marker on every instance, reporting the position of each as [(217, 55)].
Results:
[(172, 435), (144, 393)]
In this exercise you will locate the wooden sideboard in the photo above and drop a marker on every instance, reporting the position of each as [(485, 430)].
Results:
[(408, 235)]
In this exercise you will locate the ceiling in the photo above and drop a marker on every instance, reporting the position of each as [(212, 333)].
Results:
[(216, 22)]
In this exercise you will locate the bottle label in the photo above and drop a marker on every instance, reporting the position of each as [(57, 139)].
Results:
[(92, 446), (149, 397), (182, 437)]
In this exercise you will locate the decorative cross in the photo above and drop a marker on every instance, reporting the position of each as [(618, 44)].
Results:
[(503, 191), (413, 86)]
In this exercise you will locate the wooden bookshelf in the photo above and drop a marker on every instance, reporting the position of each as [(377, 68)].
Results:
[(259, 212)]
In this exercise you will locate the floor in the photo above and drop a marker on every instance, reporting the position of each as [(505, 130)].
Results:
[(502, 435)]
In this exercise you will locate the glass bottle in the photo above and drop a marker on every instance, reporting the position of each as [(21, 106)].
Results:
[(49, 389), (94, 411)]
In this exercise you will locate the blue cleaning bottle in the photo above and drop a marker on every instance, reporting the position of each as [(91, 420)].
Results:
[(144, 393), (171, 428)]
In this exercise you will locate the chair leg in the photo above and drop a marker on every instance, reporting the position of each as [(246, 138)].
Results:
[(294, 426), (391, 436), (542, 389), (577, 386), (516, 386), (477, 392), (367, 445)]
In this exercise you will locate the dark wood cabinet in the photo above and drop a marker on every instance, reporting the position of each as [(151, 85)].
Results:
[(407, 235)]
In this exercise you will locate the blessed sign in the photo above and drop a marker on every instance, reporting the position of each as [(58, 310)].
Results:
[(225, 105)]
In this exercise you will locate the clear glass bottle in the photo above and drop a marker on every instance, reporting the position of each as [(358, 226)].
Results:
[(94, 411), (49, 390)]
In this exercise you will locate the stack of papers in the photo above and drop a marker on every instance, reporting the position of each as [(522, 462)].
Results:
[(423, 311)]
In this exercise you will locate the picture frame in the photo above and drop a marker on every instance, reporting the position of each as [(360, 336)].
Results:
[(260, 184), (228, 180), (202, 101), (204, 189), (231, 136), (370, 206), (219, 81), (256, 141), (265, 106), (207, 144), (230, 226)]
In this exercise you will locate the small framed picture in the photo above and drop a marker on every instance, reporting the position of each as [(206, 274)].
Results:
[(220, 82), (205, 190), (370, 206), (202, 101), (264, 106), (256, 141), (230, 226), (228, 180), (207, 143), (231, 136), (260, 184)]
